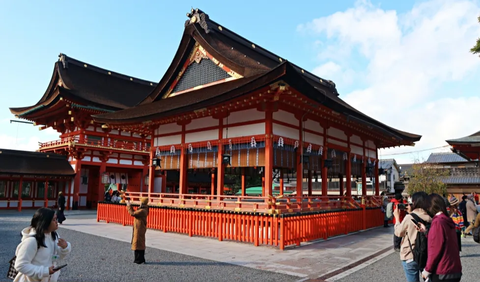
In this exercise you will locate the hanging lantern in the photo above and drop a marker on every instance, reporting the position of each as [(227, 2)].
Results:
[(105, 178), (226, 159)]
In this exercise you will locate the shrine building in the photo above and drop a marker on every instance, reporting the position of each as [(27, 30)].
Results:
[(227, 108), (101, 157)]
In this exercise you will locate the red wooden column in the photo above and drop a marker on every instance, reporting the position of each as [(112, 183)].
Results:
[(348, 168), (183, 165), (377, 185), (309, 183), (20, 188), (76, 183), (220, 166), (324, 157), (243, 181), (299, 162), (348, 173), (281, 182), (151, 169), (70, 184), (101, 186), (341, 184), (268, 151), (213, 184), (142, 183), (364, 171), (164, 182)]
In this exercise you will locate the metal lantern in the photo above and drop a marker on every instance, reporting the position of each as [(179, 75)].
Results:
[(226, 159)]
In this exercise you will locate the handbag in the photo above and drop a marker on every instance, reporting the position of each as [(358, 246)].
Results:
[(12, 272)]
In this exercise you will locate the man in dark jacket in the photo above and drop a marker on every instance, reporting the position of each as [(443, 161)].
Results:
[(463, 209)]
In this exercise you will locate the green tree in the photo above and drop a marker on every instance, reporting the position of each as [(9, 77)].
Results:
[(428, 178), (476, 48)]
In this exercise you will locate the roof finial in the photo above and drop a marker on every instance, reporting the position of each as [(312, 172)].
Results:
[(63, 58), (198, 16)]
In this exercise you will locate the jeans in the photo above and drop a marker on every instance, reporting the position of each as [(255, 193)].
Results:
[(412, 271)]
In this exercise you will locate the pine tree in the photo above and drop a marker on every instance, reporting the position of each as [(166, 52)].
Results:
[(476, 48)]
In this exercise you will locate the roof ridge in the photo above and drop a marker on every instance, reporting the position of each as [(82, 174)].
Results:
[(197, 16), (65, 60)]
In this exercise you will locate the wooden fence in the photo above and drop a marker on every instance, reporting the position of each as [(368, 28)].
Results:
[(280, 230)]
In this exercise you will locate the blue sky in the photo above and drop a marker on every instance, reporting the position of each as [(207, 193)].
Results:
[(405, 63)]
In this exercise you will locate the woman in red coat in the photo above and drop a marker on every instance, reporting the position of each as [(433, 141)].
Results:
[(443, 262)]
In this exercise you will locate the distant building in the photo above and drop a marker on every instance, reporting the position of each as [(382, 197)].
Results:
[(389, 173)]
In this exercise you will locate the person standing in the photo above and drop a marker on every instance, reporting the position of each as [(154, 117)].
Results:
[(61, 207), (406, 229), (397, 241), (463, 209), (457, 218), (471, 213), (443, 261), (40, 248), (139, 229)]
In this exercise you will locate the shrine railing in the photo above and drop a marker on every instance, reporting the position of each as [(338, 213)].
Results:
[(105, 142), (259, 220)]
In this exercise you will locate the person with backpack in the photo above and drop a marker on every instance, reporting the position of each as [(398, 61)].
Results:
[(443, 261), (457, 218), (40, 249), (462, 207), (471, 214), (413, 249)]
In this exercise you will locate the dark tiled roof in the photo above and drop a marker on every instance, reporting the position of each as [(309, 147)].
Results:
[(406, 169), (445, 157), (89, 85), (386, 164), (34, 163), (474, 138), (461, 180), (259, 68)]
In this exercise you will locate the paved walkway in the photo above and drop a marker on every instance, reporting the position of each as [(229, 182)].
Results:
[(330, 259)]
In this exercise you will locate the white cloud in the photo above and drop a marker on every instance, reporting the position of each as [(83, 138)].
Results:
[(406, 62)]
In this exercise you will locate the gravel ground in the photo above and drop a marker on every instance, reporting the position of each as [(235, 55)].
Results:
[(96, 258), (391, 266)]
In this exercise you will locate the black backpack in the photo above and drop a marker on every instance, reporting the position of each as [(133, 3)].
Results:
[(420, 250), (476, 234)]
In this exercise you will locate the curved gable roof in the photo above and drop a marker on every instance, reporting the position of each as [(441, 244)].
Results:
[(89, 85)]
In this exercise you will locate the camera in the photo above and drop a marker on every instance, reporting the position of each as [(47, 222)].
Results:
[(401, 207)]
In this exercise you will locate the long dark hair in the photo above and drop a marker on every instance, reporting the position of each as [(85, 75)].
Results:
[(437, 204), (40, 222), (420, 201)]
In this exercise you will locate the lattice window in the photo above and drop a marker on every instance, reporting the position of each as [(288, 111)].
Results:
[(199, 74)]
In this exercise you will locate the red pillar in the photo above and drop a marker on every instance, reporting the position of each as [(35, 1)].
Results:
[(364, 171), (341, 184), (20, 188), (324, 172), (349, 175), (243, 181), (220, 166), (281, 182), (183, 165), (309, 183), (268, 152), (377, 185), (76, 184), (299, 162), (144, 174), (101, 186), (213, 184), (151, 170), (164, 182)]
